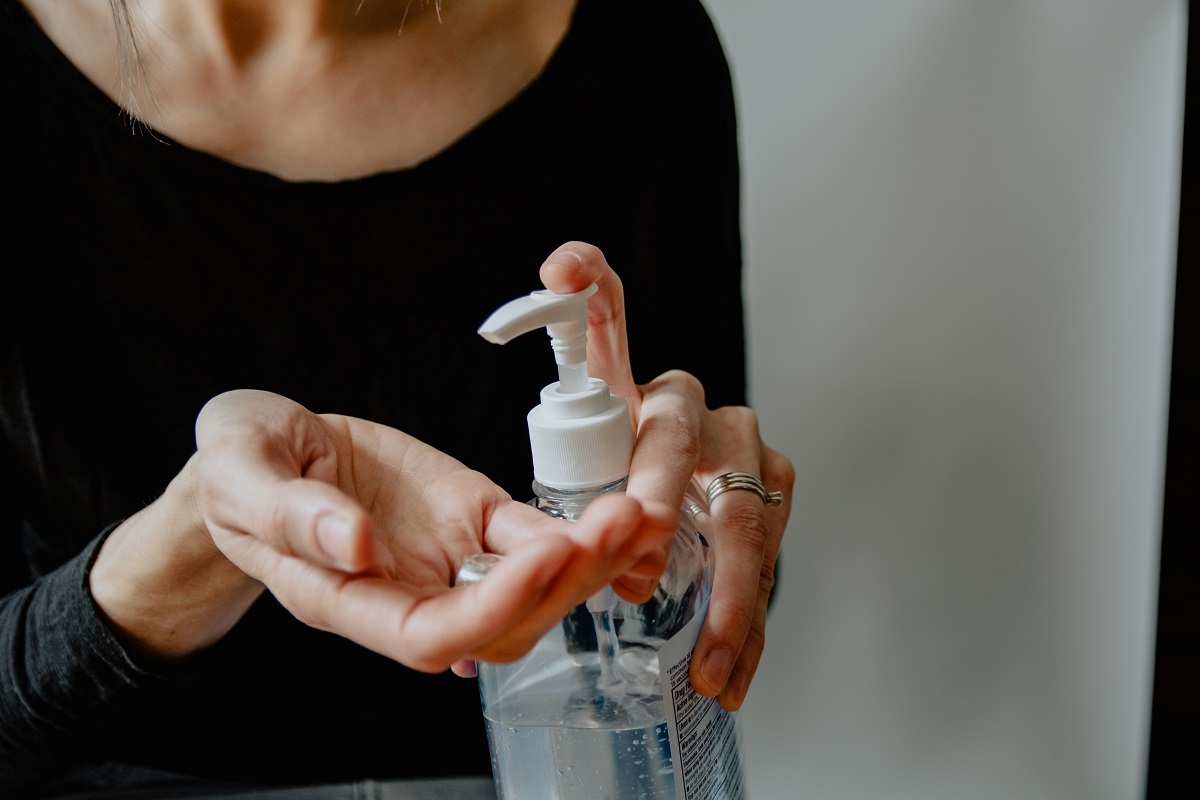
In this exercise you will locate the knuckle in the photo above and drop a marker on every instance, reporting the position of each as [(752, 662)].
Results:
[(604, 314), (690, 383), (781, 469), (583, 250), (741, 418), (684, 384), (668, 417), (741, 422)]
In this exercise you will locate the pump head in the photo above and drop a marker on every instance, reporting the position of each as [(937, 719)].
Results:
[(580, 434), (564, 316)]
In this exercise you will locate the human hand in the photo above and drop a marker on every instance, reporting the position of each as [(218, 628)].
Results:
[(359, 529), (677, 438)]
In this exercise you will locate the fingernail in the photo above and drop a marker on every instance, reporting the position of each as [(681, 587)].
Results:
[(643, 587), (333, 534), (715, 669), (736, 691)]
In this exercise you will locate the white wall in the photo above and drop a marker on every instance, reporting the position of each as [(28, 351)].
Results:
[(960, 226)]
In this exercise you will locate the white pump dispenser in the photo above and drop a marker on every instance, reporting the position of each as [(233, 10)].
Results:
[(580, 434)]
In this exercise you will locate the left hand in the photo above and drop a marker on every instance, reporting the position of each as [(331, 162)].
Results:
[(358, 528), (677, 437)]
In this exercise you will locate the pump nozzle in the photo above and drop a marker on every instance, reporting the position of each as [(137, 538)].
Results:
[(580, 434), (564, 316)]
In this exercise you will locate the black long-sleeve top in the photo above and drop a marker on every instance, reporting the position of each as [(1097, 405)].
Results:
[(144, 277)]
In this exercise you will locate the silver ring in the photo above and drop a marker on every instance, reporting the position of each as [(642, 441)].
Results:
[(742, 480)]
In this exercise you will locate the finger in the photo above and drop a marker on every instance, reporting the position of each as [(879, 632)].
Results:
[(747, 534), (267, 467), (748, 657), (745, 548), (733, 694), (632, 534), (432, 629), (465, 668), (605, 541), (606, 545), (574, 266), (549, 567), (665, 456), (512, 523), (638, 584), (667, 447), (296, 516), (652, 545), (615, 529), (426, 628)]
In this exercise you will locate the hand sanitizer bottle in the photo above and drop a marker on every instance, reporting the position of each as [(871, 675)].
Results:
[(602, 708)]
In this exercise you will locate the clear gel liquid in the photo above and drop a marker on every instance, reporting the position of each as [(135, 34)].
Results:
[(575, 734), (607, 648)]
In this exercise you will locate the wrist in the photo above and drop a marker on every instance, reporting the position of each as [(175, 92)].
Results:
[(165, 589)]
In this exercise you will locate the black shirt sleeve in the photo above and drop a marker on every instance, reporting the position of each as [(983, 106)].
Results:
[(64, 672)]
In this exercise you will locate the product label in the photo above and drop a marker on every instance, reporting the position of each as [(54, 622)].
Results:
[(704, 736)]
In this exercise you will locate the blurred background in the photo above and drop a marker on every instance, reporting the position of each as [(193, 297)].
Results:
[(960, 224)]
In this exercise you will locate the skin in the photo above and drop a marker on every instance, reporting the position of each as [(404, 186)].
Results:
[(678, 436), (315, 89), (355, 527)]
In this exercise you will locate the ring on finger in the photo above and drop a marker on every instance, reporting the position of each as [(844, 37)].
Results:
[(742, 480)]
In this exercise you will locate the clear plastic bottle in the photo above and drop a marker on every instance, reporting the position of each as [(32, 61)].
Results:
[(602, 708)]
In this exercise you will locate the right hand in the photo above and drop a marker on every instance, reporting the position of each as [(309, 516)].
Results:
[(678, 440)]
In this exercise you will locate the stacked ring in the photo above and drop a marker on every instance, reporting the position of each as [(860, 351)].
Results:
[(742, 480)]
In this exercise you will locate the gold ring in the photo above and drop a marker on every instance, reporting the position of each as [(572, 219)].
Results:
[(742, 480)]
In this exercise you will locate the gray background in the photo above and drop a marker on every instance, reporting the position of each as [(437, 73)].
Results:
[(960, 222)]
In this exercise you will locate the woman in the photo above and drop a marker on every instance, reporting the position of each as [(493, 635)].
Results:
[(248, 426)]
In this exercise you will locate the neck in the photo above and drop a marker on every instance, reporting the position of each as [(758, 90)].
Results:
[(311, 89)]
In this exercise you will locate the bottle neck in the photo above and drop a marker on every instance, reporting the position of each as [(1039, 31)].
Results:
[(569, 504)]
